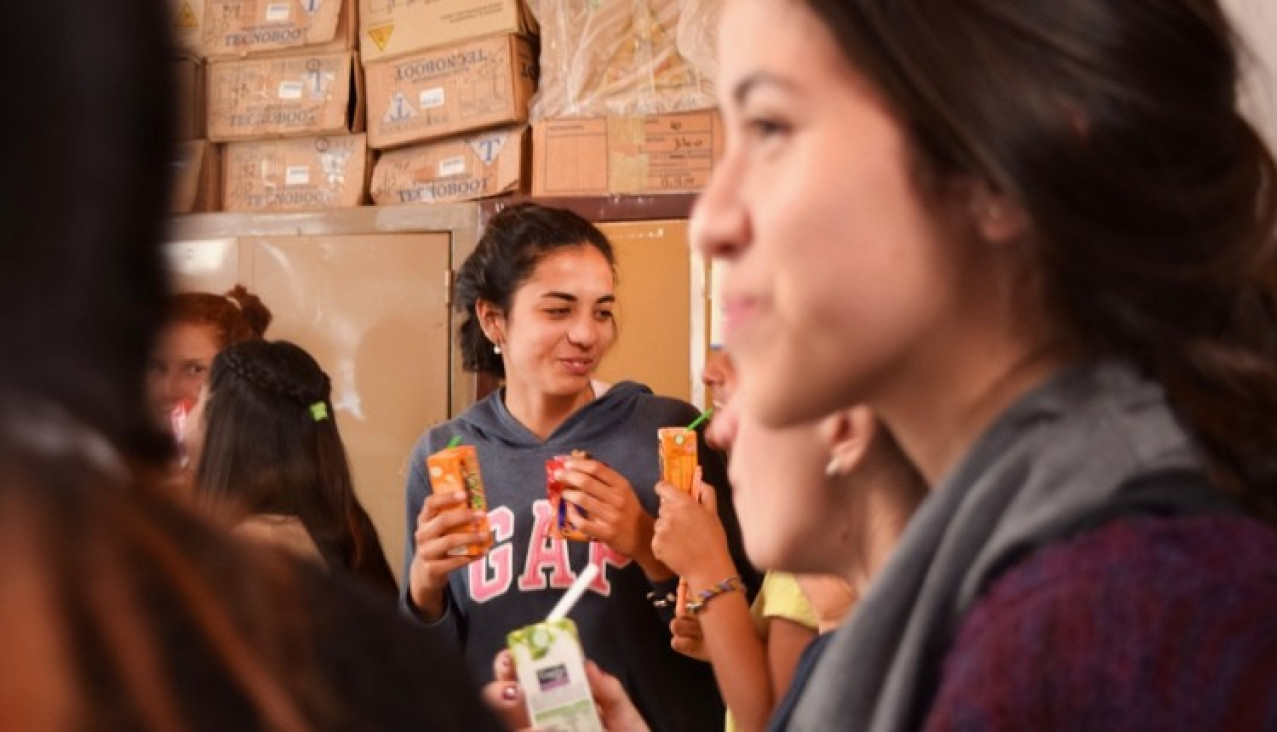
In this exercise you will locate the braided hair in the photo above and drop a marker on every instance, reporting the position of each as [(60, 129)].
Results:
[(271, 446)]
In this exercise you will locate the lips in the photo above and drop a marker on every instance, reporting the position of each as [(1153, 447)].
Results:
[(578, 366), (738, 312)]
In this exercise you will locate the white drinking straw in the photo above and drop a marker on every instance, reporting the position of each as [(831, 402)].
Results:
[(573, 594)]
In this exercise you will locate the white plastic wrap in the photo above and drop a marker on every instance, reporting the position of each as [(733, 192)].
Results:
[(624, 57)]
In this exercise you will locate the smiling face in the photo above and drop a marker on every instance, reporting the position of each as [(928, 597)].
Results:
[(559, 327), (843, 274), (178, 368)]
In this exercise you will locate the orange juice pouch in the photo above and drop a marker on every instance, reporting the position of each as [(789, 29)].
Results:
[(678, 457), (678, 467), (456, 469), (560, 528)]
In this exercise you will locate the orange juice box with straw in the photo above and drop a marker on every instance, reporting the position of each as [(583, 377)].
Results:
[(456, 468), (678, 467)]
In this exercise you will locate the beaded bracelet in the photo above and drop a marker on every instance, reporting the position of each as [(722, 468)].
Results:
[(731, 584)]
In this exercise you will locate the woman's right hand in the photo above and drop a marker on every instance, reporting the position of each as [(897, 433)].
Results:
[(432, 562), (688, 536)]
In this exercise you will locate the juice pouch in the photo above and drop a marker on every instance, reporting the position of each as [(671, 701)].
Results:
[(457, 469), (561, 529), (678, 467), (551, 670), (678, 457)]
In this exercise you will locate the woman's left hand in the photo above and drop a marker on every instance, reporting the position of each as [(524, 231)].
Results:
[(613, 514)]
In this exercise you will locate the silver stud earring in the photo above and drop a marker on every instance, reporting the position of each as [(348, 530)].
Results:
[(496, 348), (833, 467)]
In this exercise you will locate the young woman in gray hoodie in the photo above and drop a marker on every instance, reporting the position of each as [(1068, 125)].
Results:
[(538, 296)]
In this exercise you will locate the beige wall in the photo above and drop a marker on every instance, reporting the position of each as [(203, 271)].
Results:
[(371, 310), (654, 307)]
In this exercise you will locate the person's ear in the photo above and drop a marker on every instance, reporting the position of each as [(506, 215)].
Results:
[(847, 435), (491, 320), (996, 216)]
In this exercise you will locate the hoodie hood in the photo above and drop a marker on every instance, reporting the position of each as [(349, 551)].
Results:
[(490, 421)]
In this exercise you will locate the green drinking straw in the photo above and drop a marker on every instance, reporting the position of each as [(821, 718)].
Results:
[(456, 440), (701, 419)]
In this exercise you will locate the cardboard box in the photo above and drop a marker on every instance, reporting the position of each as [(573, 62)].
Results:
[(237, 28), (197, 179), (393, 28), (295, 174), (188, 24), (669, 153), (188, 75), (431, 95), (456, 169), (284, 96)]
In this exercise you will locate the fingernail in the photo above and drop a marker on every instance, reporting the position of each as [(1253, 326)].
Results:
[(459, 495), (510, 692)]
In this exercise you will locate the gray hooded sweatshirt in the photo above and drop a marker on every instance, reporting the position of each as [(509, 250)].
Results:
[(526, 572)]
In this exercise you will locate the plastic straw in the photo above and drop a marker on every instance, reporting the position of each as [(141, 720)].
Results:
[(456, 440), (573, 594), (701, 419)]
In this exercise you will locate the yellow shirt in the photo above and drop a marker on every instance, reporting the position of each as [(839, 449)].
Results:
[(779, 597)]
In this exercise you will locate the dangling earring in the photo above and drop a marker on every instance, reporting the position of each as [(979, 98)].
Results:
[(496, 348)]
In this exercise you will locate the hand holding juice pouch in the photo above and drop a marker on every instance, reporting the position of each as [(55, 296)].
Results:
[(679, 461), (561, 528), (456, 469)]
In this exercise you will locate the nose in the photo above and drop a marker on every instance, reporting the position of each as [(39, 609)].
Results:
[(584, 330), (720, 226)]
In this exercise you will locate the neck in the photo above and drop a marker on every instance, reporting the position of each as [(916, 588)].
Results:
[(882, 501), (543, 413), (938, 425)]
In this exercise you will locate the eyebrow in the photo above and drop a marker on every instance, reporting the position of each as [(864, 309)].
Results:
[(605, 300), (756, 79)]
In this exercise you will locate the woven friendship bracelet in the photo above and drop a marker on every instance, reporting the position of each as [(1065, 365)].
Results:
[(702, 598)]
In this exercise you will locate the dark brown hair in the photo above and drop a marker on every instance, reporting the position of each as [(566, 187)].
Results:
[(1152, 202), (271, 446), (513, 244)]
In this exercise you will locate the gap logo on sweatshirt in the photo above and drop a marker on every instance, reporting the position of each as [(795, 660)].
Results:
[(545, 565)]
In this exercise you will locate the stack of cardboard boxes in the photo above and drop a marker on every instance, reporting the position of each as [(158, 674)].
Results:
[(286, 103), (196, 185), (449, 83), (283, 94)]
